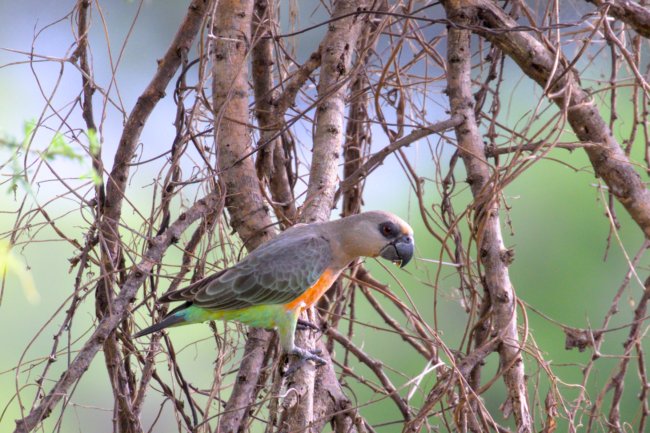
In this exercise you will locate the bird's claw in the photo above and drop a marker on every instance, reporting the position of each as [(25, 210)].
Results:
[(304, 324), (304, 356), (308, 355)]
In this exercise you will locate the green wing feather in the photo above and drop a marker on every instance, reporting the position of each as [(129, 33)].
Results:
[(276, 273)]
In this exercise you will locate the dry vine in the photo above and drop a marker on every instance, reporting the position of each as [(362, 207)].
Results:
[(267, 136)]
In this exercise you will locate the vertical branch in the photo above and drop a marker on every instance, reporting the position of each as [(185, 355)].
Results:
[(271, 159), (88, 83), (336, 52), (248, 212), (244, 201), (355, 150), (494, 257), (357, 139), (120, 379), (313, 406)]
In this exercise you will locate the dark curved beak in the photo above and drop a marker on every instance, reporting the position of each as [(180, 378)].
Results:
[(400, 251)]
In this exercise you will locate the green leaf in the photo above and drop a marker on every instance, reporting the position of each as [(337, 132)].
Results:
[(28, 129), (93, 142), (9, 142), (94, 176), (59, 147), (18, 178)]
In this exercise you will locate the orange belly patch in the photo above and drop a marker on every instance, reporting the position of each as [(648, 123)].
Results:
[(314, 293)]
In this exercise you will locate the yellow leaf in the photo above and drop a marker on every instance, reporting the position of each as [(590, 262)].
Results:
[(10, 264)]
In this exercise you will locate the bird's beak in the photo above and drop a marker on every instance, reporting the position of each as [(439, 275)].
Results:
[(400, 251)]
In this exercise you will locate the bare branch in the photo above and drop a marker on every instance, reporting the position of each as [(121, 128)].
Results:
[(245, 204), (154, 91), (628, 11), (375, 366), (271, 160), (119, 311), (378, 158), (485, 189), (539, 63), (336, 51)]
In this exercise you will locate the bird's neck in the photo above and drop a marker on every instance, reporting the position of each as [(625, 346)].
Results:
[(347, 241)]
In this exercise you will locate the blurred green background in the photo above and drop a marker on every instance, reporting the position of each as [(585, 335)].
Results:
[(558, 231)]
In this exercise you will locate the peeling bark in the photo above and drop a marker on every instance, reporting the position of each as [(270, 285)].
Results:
[(336, 51), (244, 202)]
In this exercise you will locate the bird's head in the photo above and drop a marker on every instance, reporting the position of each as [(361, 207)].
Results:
[(382, 234)]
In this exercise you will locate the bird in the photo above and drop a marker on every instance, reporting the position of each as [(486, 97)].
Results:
[(288, 274)]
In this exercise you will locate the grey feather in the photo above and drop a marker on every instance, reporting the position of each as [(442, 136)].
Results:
[(276, 273)]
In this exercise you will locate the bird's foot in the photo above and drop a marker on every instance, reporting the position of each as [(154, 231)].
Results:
[(308, 355), (304, 324), (303, 356)]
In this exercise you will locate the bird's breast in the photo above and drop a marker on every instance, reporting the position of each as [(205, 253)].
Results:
[(310, 296)]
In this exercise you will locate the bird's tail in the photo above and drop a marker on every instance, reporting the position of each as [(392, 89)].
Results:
[(173, 318)]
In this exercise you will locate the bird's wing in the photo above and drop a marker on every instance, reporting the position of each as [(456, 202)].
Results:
[(275, 273), (187, 293)]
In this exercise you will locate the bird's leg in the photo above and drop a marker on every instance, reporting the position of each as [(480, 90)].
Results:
[(286, 331)]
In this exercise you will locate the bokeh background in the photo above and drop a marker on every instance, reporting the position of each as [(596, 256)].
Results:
[(556, 222)]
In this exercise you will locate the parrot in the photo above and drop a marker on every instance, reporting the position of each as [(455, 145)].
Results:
[(288, 274)]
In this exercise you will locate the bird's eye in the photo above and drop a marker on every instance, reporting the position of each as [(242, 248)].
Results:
[(388, 229)]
